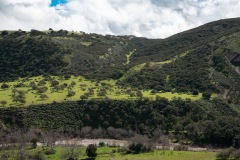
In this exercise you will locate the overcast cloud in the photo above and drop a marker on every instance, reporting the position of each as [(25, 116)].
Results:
[(145, 18)]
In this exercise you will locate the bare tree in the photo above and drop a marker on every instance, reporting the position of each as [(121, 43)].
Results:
[(71, 152), (86, 131)]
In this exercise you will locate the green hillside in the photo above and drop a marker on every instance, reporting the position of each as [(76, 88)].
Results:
[(74, 76)]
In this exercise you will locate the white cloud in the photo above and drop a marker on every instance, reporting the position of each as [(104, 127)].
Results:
[(148, 18)]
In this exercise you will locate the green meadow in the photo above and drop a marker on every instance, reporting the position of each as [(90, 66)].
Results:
[(81, 89), (111, 153), (128, 56)]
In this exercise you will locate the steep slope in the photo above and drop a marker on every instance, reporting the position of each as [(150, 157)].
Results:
[(163, 49), (24, 55), (211, 65)]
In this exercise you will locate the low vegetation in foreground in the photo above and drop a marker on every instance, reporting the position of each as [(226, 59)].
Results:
[(100, 153)]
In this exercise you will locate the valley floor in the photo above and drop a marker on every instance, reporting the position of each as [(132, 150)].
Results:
[(111, 153)]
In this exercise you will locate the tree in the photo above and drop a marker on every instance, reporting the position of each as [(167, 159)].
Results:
[(37, 155), (101, 144), (136, 148), (33, 85), (71, 93), (42, 89), (41, 83), (67, 77), (43, 96), (206, 95), (3, 102), (22, 100), (102, 92), (34, 143), (36, 33), (83, 97), (195, 92), (73, 83), (4, 33), (21, 154), (71, 153), (18, 96), (91, 151), (4, 86), (139, 94), (55, 83)]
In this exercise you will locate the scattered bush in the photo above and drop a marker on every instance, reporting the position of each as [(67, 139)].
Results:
[(37, 155), (4, 33), (49, 151), (4, 86), (43, 96), (101, 144), (3, 102), (71, 93), (139, 148), (41, 83), (206, 95), (195, 92), (83, 97), (71, 153), (67, 77), (5, 155), (42, 89)]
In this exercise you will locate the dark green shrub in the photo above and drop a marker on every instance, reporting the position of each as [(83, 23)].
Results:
[(139, 148), (101, 144), (195, 92), (91, 151), (37, 155), (49, 151), (206, 95), (4, 33)]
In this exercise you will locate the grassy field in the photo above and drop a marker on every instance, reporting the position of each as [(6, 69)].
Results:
[(128, 56), (80, 86), (109, 153), (139, 67), (106, 153)]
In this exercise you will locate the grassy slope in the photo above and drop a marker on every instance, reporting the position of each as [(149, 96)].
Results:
[(139, 67), (128, 56), (82, 86)]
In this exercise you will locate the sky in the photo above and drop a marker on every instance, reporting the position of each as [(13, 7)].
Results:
[(142, 18)]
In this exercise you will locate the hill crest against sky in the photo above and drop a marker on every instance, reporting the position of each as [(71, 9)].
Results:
[(142, 18)]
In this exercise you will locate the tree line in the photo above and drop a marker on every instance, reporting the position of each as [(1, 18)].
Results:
[(200, 122)]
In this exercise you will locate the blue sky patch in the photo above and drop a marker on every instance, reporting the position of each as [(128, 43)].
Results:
[(56, 2)]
